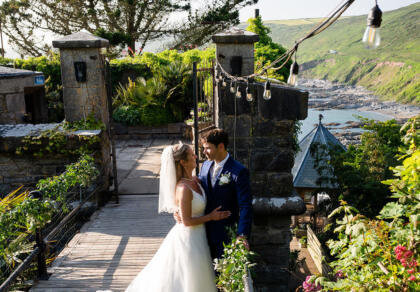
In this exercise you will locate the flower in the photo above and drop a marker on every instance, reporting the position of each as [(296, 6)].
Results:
[(224, 179), (412, 278), (309, 285), (339, 274)]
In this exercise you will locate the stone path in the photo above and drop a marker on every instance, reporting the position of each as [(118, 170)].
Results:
[(119, 240)]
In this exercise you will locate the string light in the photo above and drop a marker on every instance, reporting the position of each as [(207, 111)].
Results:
[(330, 19), (224, 82), (238, 92), (232, 87), (371, 37), (294, 71), (249, 96), (267, 90)]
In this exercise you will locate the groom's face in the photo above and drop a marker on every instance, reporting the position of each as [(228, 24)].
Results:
[(210, 150)]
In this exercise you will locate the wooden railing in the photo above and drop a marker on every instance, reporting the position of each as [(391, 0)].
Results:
[(317, 252)]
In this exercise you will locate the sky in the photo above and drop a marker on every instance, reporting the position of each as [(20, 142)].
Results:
[(292, 9)]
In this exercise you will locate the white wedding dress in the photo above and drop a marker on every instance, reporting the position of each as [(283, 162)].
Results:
[(183, 262)]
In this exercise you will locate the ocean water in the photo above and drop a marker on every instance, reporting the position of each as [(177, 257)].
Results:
[(338, 116)]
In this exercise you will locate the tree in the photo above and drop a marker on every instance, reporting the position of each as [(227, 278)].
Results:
[(122, 21), (360, 170), (266, 51)]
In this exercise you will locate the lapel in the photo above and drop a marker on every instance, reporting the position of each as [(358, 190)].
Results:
[(225, 167), (206, 174)]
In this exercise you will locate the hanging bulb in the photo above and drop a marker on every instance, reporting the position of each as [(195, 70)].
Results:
[(238, 92), (232, 87), (221, 77), (249, 96), (224, 82), (267, 91), (294, 71), (372, 38)]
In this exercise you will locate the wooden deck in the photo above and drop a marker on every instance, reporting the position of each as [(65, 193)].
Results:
[(111, 248)]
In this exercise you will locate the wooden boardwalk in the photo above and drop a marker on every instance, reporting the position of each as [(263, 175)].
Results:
[(119, 240), (111, 249)]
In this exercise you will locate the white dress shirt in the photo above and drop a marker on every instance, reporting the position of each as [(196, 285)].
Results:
[(216, 169)]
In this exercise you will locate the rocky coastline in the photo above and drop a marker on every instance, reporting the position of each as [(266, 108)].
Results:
[(325, 95)]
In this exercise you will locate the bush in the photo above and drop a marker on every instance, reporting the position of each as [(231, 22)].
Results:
[(127, 114), (382, 254), (154, 115)]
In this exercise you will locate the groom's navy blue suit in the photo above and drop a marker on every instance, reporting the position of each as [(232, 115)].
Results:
[(234, 196)]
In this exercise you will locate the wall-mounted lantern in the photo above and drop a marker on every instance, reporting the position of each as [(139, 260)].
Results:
[(80, 71)]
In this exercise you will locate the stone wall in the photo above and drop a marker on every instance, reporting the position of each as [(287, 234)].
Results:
[(83, 98), (25, 170), (264, 143), (12, 99)]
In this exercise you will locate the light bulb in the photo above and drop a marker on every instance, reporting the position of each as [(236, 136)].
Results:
[(238, 92), (294, 71), (267, 91), (232, 87), (249, 96), (224, 82), (372, 38)]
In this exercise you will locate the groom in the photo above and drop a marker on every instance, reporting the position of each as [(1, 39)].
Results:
[(226, 183)]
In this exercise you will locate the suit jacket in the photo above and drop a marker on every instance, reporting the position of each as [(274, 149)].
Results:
[(234, 196)]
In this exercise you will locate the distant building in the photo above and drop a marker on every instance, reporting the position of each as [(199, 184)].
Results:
[(22, 96), (306, 179)]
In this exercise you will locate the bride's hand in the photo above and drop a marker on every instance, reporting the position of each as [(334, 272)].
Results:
[(177, 217), (217, 215)]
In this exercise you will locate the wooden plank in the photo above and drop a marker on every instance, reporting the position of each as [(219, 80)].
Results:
[(111, 249)]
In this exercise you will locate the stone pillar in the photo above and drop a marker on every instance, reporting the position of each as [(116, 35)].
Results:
[(83, 92), (83, 77), (263, 134)]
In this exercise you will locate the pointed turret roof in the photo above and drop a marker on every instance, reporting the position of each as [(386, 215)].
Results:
[(304, 173)]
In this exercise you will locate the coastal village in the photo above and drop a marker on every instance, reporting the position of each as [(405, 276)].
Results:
[(333, 164)]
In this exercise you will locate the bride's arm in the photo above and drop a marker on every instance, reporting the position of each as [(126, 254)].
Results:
[(185, 196)]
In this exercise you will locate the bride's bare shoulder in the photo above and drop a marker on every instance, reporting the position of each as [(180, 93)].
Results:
[(182, 189)]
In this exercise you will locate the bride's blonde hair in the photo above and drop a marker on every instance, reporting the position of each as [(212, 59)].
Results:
[(180, 152)]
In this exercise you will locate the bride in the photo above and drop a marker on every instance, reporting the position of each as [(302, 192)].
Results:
[(183, 261)]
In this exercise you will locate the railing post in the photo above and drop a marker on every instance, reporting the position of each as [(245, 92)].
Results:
[(42, 266), (195, 97)]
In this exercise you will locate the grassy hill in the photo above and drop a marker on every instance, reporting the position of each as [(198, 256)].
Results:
[(392, 71)]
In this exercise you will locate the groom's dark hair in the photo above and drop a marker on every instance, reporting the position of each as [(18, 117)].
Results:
[(216, 137)]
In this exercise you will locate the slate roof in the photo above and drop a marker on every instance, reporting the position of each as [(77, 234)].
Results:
[(304, 173), (6, 72)]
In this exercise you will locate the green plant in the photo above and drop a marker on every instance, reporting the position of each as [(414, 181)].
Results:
[(303, 241), (81, 173), (20, 216), (382, 254), (129, 115), (234, 265), (56, 141), (266, 51)]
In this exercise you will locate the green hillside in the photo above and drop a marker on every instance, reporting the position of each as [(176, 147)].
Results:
[(391, 71)]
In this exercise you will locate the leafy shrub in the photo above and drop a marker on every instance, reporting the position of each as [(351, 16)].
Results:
[(234, 265), (267, 51), (127, 114), (382, 254), (154, 115)]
